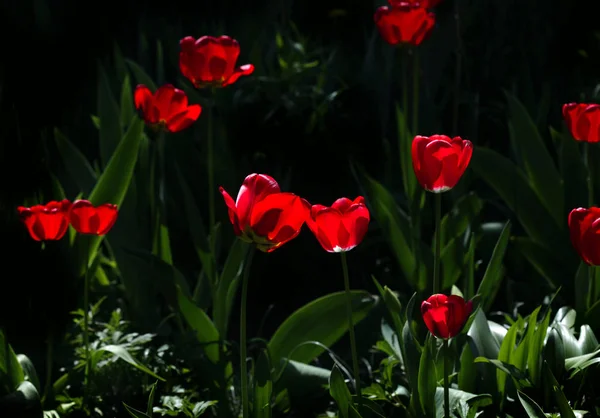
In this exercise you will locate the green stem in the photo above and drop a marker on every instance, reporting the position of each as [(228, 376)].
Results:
[(243, 336), (590, 169), (446, 384), (438, 243), (211, 176), (457, 70), (86, 336), (351, 330), (404, 132), (49, 361), (415, 104)]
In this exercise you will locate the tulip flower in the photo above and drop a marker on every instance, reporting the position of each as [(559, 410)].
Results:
[(342, 226), (583, 121), (439, 162), (92, 220), (404, 23), (211, 62), (47, 222), (445, 316), (584, 228), (263, 215), (167, 109)]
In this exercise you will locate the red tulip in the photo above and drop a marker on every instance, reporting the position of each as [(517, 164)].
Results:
[(445, 316), (583, 120), (263, 215), (340, 227), (93, 220), (439, 162), (47, 222), (166, 109), (428, 4), (210, 61), (584, 227), (404, 23)]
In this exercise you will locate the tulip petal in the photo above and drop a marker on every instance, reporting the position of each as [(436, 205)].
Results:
[(254, 189), (232, 211), (279, 217)]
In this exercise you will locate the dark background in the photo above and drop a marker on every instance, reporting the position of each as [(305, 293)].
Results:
[(49, 54)]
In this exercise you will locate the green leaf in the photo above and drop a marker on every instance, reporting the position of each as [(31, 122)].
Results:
[(395, 225), (409, 180), (427, 378), (108, 112), (456, 397), (537, 162), (307, 324), (112, 185), (24, 402), (467, 373), (573, 172), (533, 409), (11, 372), (340, 392), (228, 285), (411, 350), (78, 167), (126, 356), (263, 387), (536, 345), (561, 400), (135, 413), (140, 75), (150, 403), (507, 348), (205, 329), (493, 274), (196, 228), (510, 369), (541, 259), (301, 380), (127, 106), (511, 185), (29, 372), (393, 305)]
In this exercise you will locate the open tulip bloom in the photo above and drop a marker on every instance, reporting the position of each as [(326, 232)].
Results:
[(263, 215), (167, 109), (404, 23), (47, 222), (584, 228), (342, 226), (440, 161), (583, 121), (211, 61), (445, 316)]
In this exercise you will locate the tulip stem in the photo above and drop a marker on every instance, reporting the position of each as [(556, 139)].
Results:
[(415, 104), (457, 70), (243, 336), (590, 179), (49, 362), (438, 243), (351, 330), (446, 374), (86, 336), (211, 176)]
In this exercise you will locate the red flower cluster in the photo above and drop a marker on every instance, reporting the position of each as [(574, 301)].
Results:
[(405, 22), (269, 218), (206, 62), (49, 222)]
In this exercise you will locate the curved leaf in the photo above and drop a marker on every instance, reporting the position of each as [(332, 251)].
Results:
[(322, 320)]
